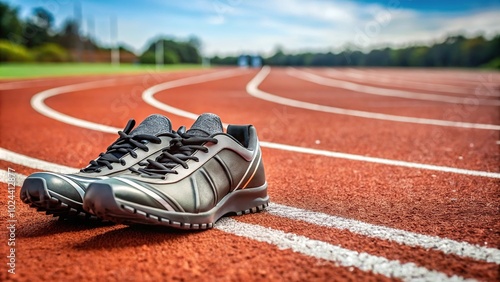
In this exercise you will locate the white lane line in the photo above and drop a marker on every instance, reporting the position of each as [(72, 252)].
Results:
[(386, 79), (253, 89), (447, 246), (4, 175), (26, 161), (378, 160), (32, 83), (38, 100), (148, 96), (402, 237), (24, 84), (402, 78), (379, 91), (38, 103), (326, 251), (447, 77)]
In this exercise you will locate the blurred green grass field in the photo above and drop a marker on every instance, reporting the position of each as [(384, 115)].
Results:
[(30, 70)]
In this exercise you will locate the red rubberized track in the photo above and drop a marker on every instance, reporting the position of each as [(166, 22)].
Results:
[(460, 207)]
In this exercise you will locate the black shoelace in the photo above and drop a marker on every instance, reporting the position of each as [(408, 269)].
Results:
[(181, 150), (124, 144)]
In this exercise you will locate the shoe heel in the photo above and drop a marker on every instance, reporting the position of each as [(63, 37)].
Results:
[(244, 201)]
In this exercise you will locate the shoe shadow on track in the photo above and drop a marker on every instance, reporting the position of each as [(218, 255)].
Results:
[(57, 226), (133, 236)]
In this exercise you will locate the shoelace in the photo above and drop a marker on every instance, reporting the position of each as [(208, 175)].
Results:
[(181, 149), (124, 144)]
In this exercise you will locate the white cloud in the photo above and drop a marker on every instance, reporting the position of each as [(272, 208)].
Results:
[(487, 22), (412, 27), (216, 20), (328, 12)]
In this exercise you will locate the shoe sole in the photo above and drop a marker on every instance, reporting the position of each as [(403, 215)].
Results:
[(36, 194), (101, 201)]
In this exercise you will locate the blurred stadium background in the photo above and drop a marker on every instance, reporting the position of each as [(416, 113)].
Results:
[(400, 33)]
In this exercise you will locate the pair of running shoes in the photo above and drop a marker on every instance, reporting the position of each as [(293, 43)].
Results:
[(185, 179)]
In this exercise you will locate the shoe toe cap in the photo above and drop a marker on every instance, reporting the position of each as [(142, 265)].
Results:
[(124, 192), (47, 184)]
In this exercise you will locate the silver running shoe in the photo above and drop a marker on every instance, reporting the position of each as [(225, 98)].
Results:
[(203, 175), (62, 194)]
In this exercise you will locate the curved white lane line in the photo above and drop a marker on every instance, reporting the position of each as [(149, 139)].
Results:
[(402, 78), (147, 95), (444, 77), (253, 89), (38, 104), (379, 91), (38, 100), (385, 79), (24, 84), (23, 160)]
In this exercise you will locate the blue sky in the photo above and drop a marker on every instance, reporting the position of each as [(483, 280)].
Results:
[(258, 26)]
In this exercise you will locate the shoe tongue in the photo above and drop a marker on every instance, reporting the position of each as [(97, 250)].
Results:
[(206, 125), (153, 125)]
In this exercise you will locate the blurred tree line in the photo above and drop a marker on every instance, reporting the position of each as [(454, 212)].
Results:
[(174, 52), (37, 39), (455, 51)]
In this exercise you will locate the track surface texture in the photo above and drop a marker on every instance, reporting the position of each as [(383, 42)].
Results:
[(364, 186)]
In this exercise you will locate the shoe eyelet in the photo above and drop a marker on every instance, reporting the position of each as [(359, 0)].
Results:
[(123, 162)]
